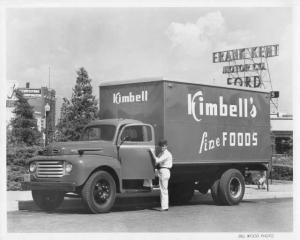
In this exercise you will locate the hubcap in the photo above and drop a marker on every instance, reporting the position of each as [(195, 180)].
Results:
[(235, 187), (101, 191), (50, 198)]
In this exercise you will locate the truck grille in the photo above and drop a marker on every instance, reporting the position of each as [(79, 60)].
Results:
[(50, 169)]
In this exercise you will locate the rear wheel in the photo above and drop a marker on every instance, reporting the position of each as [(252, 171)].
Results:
[(99, 192), (215, 192), (181, 193), (232, 187), (48, 200)]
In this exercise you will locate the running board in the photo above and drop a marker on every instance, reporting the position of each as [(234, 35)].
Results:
[(140, 190)]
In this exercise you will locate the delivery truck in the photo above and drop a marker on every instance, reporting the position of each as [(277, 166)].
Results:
[(215, 134)]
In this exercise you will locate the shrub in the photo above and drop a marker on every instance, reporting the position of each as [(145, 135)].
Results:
[(15, 161), (282, 168), (14, 177), (19, 154), (282, 172)]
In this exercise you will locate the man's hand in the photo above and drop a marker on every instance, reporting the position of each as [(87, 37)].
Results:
[(151, 150)]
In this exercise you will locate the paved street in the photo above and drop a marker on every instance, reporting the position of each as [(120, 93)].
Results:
[(201, 215)]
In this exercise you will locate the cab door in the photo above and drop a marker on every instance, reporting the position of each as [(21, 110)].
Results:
[(134, 143)]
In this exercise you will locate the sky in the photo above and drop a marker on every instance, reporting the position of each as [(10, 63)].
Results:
[(129, 43)]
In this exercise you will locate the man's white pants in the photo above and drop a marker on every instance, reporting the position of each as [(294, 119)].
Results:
[(164, 175)]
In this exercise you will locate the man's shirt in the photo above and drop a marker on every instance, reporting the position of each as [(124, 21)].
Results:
[(165, 159)]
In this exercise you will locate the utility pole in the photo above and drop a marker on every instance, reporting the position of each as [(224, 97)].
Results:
[(49, 78)]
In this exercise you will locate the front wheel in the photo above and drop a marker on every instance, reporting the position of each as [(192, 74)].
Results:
[(48, 200), (99, 192), (232, 187)]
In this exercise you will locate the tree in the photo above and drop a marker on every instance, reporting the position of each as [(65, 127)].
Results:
[(24, 125), (64, 126), (82, 108)]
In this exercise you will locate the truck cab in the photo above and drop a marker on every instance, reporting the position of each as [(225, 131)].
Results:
[(112, 156)]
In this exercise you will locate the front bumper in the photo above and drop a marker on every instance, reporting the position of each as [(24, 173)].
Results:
[(67, 187)]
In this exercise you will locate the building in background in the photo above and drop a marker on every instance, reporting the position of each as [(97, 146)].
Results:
[(282, 132), (43, 102)]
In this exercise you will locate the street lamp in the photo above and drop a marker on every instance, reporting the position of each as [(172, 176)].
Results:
[(47, 109)]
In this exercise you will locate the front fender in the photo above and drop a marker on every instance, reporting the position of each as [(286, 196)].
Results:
[(86, 164), (83, 166)]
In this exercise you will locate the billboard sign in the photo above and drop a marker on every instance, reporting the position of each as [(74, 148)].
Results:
[(246, 53), (31, 92), (250, 69)]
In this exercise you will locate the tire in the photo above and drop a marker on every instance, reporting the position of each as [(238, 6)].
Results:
[(48, 200), (181, 193), (215, 192), (232, 187), (99, 192)]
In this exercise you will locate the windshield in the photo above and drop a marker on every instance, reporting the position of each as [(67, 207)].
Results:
[(99, 132)]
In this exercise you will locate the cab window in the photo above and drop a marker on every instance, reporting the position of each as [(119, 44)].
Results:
[(101, 132), (137, 134)]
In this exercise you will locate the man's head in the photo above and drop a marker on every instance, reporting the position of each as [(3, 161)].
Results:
[(163, 144)]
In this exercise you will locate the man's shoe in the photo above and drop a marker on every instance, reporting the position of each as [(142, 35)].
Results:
[(164, 210), (160, 209)]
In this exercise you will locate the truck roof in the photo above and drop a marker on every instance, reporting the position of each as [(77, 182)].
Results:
[(162, 79), (113, 121)]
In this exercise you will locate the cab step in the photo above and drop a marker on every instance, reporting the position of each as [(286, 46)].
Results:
[(140, 190)]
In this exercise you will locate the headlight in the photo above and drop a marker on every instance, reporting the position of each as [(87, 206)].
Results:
[(32, 167), (68, 167)]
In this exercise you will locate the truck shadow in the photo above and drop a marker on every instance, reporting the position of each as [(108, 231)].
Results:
[(122, 204)]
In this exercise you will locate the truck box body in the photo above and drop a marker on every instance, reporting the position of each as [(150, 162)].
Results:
[(202, 123)]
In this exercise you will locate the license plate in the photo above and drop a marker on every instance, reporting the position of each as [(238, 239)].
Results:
[(26, 177)]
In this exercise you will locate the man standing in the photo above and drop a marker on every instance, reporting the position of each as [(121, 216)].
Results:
[(164, 163)]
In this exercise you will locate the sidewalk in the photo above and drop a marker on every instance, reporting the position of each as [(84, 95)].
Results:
[(22, 200), (276, 190)]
